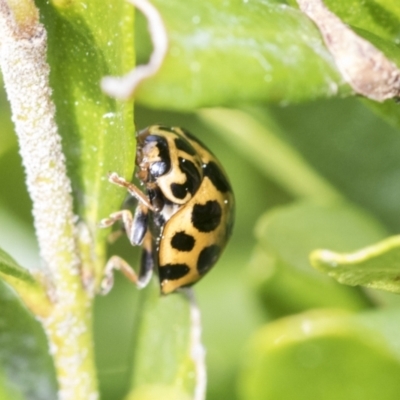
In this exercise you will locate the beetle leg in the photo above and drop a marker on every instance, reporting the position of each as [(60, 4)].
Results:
[(114, 236), (135, 227), (133, 190), (139, 226), (147, 259), (124, 215), (118, 263)]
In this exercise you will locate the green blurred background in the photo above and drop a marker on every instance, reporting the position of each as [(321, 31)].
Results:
[(273, 327)]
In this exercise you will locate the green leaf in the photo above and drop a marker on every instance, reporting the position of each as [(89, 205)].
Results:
[(380, 17), (157, 392), (24, 355), (356, 151), (384, 322), (376, 266), (388, 110), (86, 42), (9, 267), (31, 291), (235, 52), (7, 392), (162, 350), (326, 354), (280, 267)]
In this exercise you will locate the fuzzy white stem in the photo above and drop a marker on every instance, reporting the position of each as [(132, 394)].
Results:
[(26, 77)]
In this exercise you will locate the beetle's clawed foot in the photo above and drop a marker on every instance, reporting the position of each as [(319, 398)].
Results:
[(107, 282)]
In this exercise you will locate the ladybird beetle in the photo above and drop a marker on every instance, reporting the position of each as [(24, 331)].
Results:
[(185, 217)]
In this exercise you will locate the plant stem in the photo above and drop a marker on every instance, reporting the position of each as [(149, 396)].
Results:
[(26, 77)]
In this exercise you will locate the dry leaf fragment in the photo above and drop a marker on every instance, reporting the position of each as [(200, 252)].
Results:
[(363, 66)]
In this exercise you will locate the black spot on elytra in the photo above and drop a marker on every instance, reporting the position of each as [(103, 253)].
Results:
[(182, 241), (206, 217), (179, 191), (194, 139), (207, 258), (193, 179), (161, 167), (173, 271), (184, 145), (217, 177), (192, 174)]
